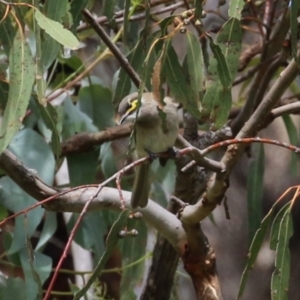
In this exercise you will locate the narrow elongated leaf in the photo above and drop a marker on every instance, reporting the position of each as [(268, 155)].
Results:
[(21, 81), (7, 31), (254, 249), (222, 70), (111, 243), (255, 188), (281, 274), (55, 10), (177, 82), (49, 116), (198, 8), (294, 26), (276, 226), (195, 67), (293, 137), (133, 250), (108, 9), (222, 67), (56, 31), (235, 8), (76, 7), (229, 39)]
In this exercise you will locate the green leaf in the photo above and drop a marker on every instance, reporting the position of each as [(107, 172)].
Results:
[(229, 39), (21, 69), (111, 243), (15, 288), (49, 228), (56, 31), (49, 116), (83, 167), (216, 103), (255, 188), (177, 82), (7, 31), (90, 233), (31, 149), (293, 137), (198, 8), (108, 9), (294, 27), (254, 249), (75, 121), (4, 89), (76, 7), (281, 274), (55, 10), (276, 226), (222, 67), (195, 67), (37, 268), (133, 249), (96, 101), (235, 8)]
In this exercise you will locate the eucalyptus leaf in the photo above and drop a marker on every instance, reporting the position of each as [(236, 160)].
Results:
[(111, 243), (235, 8), (281, 274), (255, 188), (21, 70), (56, 31)]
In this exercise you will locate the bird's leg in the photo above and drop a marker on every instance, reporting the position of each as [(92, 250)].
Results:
[(152, 156)]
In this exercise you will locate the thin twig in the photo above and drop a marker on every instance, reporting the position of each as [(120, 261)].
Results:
[(117, 53)]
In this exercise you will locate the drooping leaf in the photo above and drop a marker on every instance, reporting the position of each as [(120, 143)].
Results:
[(221, 72), (36, 270), (294, 26), (49, 116), (7, 31), (276, 226), (196, 68), (293, 137), (229, 39), (49, 228), (111, 243), (255, 188), (96, 101), (14, 289), (21, 70), (281, 274), (108, 9), (133, 249), (56, 31), (31, 149), (177, 82), (222, 66), (91, 232), (55, 10), (254, 250), (75, 121), (82, 167), (235, 8), (198, 8), (76, 7)]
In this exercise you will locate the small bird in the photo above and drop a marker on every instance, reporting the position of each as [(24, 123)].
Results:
[(153, 134)]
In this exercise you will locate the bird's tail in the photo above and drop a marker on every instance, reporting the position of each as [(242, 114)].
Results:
[(140, 191)]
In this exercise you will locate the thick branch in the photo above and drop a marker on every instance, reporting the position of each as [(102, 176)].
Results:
[(217, 186), (73, 200)]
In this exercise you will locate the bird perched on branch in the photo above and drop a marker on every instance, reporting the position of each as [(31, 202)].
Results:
[(156, 128)]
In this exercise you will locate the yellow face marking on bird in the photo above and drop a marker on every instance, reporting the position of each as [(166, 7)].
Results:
[(132, 105)]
